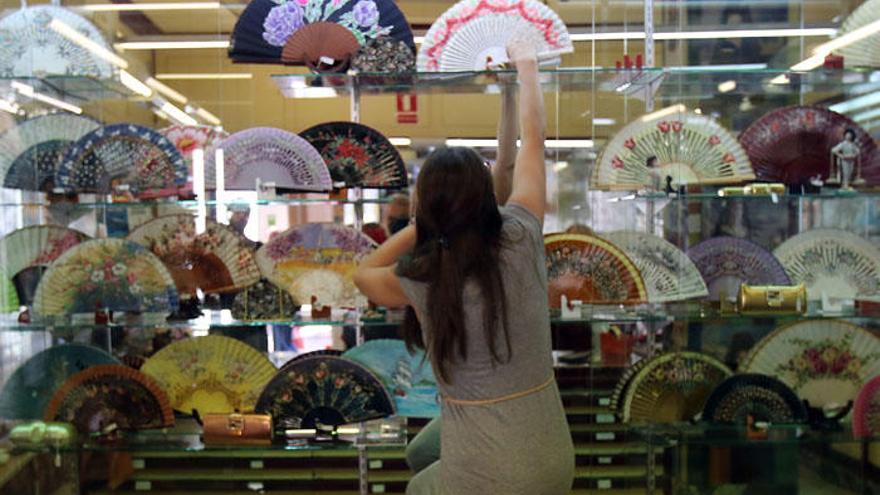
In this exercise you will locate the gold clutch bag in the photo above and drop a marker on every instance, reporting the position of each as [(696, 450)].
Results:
[(772, 299), (237, 429)]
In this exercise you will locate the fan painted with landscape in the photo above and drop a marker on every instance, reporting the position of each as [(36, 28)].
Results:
[(27, 252), (31, 152), (824, 361), (212, 374), (728, 262), (317, 259), (837, 262), (864, 52), (792, 144), (27, 392), (591, 270), (762, 397), (357, 155), (672, 387), (123, 154), (408, 377), (690, 148), (110, 394), (474, 34), (114, 274), (32, 43), (272, 155), (325, 390), (668, 273), (268, 28), (188, 138), (216, 260), (866, 411)]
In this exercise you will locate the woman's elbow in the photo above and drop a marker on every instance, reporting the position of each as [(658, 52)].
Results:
[(359, 279)]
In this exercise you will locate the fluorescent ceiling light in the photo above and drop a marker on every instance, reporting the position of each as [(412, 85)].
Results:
[(166, 91), (869, 115), (664, 112), (549, 143), (314, 93), (134, 84), (604, 121), (28, 91), (204, 76), (122, 7), (175, 113), (780, 79), (87, 43), (847, 106), (208, 116), (9, 106), (825, 49), (727, 86), (172, 45), (400, 141)]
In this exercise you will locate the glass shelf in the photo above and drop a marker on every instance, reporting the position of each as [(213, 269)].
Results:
[(82, 88), (190, 203), (716, 435), (709, 196)]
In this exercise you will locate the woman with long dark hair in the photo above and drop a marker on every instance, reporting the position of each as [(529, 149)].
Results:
[(474, 274)]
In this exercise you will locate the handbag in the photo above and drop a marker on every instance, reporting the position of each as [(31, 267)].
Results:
[(772, 299), (237, 429)]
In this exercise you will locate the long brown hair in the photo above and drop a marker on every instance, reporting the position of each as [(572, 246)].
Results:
[(458, 231)]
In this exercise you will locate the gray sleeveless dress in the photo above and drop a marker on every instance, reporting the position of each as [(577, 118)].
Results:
[(517, 446)]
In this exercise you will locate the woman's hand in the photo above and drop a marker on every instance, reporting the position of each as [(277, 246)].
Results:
[(522, 54)]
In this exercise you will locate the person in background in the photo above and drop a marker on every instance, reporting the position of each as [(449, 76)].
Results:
[(475, 276), (398, 213)]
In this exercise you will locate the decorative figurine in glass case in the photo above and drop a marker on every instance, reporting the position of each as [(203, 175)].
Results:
[(845, 159)]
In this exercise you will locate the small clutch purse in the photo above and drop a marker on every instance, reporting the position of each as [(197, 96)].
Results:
[(237, 429), (772, 299)]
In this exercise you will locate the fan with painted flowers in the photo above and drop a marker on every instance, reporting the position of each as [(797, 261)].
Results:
[(188, 138)]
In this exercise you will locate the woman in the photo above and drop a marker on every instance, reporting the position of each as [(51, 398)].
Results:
[(475, 275)]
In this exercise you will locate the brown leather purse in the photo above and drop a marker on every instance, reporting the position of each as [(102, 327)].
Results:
[(237, 429), (772, 299)]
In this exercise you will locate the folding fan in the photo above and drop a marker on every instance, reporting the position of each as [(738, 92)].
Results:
[(272, 155), (25, 253), (322, 46), (31, 152), (188, 138), (690, 148), (384, 54), (474, 34), (122, 154), (672, 387), (619, 393), (110, 394), (211, 374), (728, 262), (866, 51), (216, 260), (668, 273), (591, 270), (326, 390), (762, 397), (32, 44), (792, 144), (866, 412), (839, 263), (408, 377), (267, 27), (105, 273), (263, 301), (357, 155), (28, 390), (9, 300), (317, 259), (823, 361)]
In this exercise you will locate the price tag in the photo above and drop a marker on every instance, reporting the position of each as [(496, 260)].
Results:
[(376, 464), (258, 464)]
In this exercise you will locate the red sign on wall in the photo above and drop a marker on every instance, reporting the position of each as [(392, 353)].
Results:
[(407, 108)]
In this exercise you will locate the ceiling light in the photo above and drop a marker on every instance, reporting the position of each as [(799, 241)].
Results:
[(663, 112), (549, 143), (175, 114), (868, 100), (604, 121), (172, 45), (166, 91), (122, 7), (560, 166), (9, 106), (204, 76), (400, 141), (825, 49), (26, 90), (727, 86), (87, 43), (869, 115), (134, 84), (320, 92), (780, 79), (208, 116)]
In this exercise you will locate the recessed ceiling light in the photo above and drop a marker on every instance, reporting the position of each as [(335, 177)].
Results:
[(205, 76)]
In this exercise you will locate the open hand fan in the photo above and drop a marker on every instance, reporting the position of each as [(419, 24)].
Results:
[(839, 263), (690, 148), (263, 301), (272, 155), (322, 46), (31, 152), (823, 361), (357, 155), (619, 393), (216, 260), (27, 392), (317, 259), (325, 390), (668, 273), (591, 270), (762, 397), (32, 43), (110, 394), (188, 138), (672, 387), (866, 412), (728, 262), (792, 144), (9, 300), (123, 154), (408, 377), (866, 51), (105, 273), (211, 374), (266, 27), (26, 253), (474, 34)]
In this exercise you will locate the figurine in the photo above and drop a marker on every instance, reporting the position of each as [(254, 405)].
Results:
[(653, 166), (844, 159), (669, 188)]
